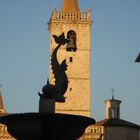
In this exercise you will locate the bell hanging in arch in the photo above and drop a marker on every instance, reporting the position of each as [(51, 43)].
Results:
[(71, 46)]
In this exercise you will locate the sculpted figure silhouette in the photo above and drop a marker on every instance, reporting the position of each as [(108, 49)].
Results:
[(57, 90)]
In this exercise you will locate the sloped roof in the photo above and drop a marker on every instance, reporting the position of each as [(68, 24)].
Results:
[(116, 122), (70, 6)]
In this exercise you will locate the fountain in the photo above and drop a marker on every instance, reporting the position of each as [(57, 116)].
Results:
[(48, 125)]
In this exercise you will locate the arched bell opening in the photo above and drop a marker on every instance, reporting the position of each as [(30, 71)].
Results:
[(71, 36)]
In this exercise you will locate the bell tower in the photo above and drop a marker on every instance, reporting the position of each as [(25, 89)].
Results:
[(76, 27), (112, 108)]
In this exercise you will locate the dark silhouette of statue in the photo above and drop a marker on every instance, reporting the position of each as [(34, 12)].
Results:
[(59, 88)]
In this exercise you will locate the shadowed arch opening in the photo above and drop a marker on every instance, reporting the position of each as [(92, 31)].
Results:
[(71, 36)]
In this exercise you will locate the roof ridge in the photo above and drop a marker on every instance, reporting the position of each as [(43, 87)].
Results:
[(116, 122)]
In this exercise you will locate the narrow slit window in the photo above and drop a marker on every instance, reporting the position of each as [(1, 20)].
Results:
[(71, 59)]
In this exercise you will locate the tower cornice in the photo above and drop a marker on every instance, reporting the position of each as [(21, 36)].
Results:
[(69, 22)]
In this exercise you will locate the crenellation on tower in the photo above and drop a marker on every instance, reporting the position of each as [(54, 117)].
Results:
[(79, 17)]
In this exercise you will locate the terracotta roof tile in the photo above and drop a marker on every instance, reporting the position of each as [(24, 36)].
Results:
[(70, 6)]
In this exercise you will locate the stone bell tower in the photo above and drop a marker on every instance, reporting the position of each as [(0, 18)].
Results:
[(112, 108), (76, 27)]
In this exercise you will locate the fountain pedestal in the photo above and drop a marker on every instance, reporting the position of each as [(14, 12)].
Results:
[(46, 105)]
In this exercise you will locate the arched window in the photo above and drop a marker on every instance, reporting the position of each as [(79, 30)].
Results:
[(71, 36), (112, 112)]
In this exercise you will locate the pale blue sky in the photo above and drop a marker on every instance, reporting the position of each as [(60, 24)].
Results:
[(115, 43)]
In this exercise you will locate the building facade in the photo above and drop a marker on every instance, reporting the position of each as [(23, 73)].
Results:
[(76, 27), (112, 127), (4, 135)]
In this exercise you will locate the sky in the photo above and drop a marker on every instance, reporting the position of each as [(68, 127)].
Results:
[(115, 43)]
